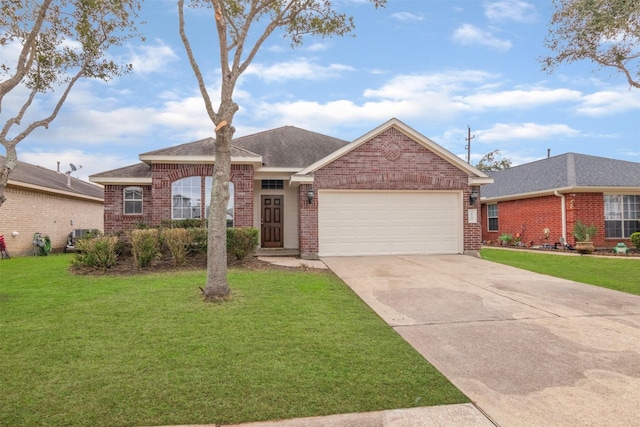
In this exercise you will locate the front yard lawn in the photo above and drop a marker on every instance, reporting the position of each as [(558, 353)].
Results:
[(145, 350), (613, 273)]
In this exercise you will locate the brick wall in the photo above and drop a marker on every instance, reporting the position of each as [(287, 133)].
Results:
[(157, 196), (538, 213), (389, 161), (529, 217), (29, 212)]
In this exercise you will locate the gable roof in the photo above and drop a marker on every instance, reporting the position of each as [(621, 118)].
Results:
[(289, 146), (563, 173), (39, 178), (476, 177)]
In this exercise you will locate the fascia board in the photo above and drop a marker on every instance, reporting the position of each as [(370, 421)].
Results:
[(109, 180), (480, 181), (53, 191), (564, 191)]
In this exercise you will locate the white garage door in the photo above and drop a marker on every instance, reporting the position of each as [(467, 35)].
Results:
[(389, 222)]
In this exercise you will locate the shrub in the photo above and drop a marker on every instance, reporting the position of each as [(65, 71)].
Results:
[(583, 232), (183, 223), (635, 239), (506, 238), (145, 246), (97, 251), (242, 241), (197, 240), (177, 240)]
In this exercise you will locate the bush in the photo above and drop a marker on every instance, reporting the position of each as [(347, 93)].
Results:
[(197, 240), (98, 251), (635, 239), (183, 223), (177, 240), (145, 246), (242, 241), (583, 232), (506, 238)]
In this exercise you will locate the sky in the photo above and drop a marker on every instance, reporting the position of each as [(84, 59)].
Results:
[(441, 67)]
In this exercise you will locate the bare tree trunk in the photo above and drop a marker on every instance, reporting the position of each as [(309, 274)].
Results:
[(10, 163), (217, 287)]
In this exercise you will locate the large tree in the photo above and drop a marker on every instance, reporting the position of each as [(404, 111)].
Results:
[(604, 31), (493, 162), (241, 28), (58, 42)]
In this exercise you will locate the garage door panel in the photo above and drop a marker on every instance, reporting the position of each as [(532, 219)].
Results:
[(373, 223)]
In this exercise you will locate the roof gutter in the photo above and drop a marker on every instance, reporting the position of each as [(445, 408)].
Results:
[(564, 215)]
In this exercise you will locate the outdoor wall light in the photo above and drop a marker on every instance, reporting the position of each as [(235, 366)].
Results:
[(310, 196), (473, 197)]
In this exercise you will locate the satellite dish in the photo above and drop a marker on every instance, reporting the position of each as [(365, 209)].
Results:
[(73, 167)]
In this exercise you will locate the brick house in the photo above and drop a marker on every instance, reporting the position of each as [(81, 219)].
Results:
[(542, 200), (391, 191), (41, 200)]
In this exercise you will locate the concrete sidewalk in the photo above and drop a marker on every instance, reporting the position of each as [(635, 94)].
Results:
[(527, 349)]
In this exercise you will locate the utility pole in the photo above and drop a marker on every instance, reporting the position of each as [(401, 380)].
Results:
[(468, 147)]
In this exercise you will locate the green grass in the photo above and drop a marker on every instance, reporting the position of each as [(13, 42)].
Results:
[(613, 273), (145, 350)]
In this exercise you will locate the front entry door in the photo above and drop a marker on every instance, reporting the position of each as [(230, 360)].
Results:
[(272, 218)]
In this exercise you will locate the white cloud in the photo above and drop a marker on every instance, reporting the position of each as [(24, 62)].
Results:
[(407, 17), (470, 35), (511, 10), (610, 102), (301, 69), (529, 131), (152, 59), (519, 98)]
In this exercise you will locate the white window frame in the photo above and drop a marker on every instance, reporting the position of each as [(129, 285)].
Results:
[(490, 217), (619, 208), (129, 199)]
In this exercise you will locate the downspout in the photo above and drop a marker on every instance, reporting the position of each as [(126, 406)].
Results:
[(564, 216)]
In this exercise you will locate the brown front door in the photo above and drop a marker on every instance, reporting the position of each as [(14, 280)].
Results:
[(272, 217)]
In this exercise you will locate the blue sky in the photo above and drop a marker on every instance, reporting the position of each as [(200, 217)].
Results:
[(439, 66)]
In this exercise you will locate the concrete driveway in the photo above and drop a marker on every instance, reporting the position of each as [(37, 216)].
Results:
[(527, 349)]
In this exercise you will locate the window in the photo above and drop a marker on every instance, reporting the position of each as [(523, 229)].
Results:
[(133, 201), (492, 215), (272, 184), (621, 215), (187, 194)]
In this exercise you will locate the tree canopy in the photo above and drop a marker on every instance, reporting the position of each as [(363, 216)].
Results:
[(606, 32), (492, 162), (57, 43), (241, 28)]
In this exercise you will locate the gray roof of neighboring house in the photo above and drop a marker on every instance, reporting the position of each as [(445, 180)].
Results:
[(289, 146), (202, 147), (27, 173), (568, 170)]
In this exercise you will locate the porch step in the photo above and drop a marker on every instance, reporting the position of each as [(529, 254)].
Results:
[(271, 252)]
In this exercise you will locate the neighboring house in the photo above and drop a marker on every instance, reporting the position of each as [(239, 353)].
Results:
[(542, 200), (391, 191), (41, 200)]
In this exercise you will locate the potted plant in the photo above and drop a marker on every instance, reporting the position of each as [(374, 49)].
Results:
[(583, 234)]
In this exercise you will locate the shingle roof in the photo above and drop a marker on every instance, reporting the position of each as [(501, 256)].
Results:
[(202, 147), (27, 173), (568, 170), (138, 170), (289, 146)]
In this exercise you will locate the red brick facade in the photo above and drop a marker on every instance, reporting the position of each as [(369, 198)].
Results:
[(157, 196), (389, 161), (530, 217)]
